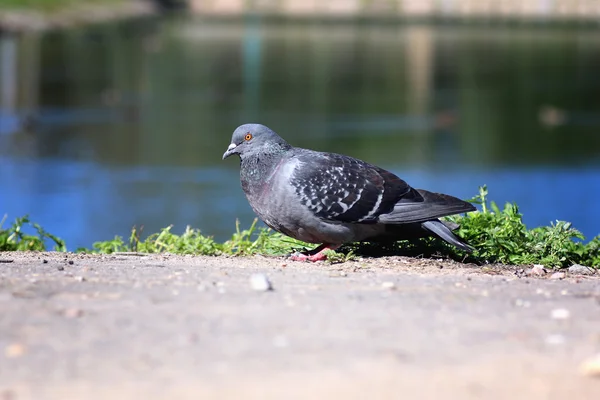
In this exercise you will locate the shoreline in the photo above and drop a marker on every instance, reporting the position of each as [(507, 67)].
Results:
[(29, 20)]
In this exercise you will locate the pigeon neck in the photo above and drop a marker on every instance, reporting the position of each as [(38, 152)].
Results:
[(266, 153), (257, 166)]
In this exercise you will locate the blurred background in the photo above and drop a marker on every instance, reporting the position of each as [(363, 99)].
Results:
[(115, 113)]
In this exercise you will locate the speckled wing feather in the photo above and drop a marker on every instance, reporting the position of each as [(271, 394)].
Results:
[(340, 188), (434, 205), (343, 189)]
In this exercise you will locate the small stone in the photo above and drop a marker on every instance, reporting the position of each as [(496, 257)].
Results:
[(80, 279), (555, 339), (70, 262), (260, 283), (44, 261), (8, 395), (537, 270), (60, 268), (201, 288), (388, 285), (558, 275), (581, 270), (591, 367), (14, 350), (343, 273), (73, 313), (280, 341), (560, 313), (522, 303)]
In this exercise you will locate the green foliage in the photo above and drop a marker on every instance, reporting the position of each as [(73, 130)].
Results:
[(49, 5), (247, 242), (498, 235), (14, 237), (501, 236)]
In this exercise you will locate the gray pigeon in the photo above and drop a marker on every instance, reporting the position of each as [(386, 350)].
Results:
[(333, 199)]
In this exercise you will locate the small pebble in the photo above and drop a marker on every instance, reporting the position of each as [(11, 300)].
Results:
[(44, 261), (560, 313), (80, 279), (73, 313), (8, 395), (522, 303), (558, 275), (581, 270), (260, 283), (555, 339), (537, 270), (388, 285), (280, 341), (60, 268), (591, 367), (70, 262), (14, 350)]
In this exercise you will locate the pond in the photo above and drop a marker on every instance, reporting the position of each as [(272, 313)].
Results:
[(122, 125)]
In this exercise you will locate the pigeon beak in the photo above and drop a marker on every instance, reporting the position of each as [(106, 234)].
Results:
[(229, 151)]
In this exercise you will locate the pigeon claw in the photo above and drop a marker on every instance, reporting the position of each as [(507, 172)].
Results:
[(315, 255), (321, 256)]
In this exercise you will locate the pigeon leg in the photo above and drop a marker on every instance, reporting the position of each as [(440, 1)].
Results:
[(317, 254)]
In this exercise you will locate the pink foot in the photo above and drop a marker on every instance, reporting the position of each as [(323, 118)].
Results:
[(315, 255)]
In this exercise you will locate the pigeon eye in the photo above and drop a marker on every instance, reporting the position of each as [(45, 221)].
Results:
[(248, 136)]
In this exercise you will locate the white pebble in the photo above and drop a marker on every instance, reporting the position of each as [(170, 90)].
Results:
[(260, 283), (555, 339), (537, 270), (522, 303), (388, 285), (581, 269), (591, 367), (560, 313), (280, 341), (558, 275)]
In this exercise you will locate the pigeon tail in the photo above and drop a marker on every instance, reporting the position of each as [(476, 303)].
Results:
[(438, 228)]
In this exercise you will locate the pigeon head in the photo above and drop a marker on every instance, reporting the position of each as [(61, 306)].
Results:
[(251, 139)]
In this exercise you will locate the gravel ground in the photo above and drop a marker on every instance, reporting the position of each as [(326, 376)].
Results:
[(175, 327)]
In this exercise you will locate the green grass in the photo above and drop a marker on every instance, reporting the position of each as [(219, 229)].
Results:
[(15, 238), (499, 236), (48, 5), (246, 242)]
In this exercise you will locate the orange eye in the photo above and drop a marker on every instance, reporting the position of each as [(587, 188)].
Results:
[(248, 136)]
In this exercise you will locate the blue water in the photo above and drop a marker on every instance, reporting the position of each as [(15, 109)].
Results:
[(124, 125), (115, 199)]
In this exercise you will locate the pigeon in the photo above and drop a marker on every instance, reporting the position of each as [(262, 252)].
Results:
[(331, 199)]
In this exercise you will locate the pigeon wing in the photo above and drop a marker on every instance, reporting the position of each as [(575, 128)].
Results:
[(343, 189)]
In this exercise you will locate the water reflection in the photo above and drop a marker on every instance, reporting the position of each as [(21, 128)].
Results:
[(124, 124)]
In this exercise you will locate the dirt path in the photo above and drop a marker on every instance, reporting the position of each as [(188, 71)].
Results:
[(170, 327)]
